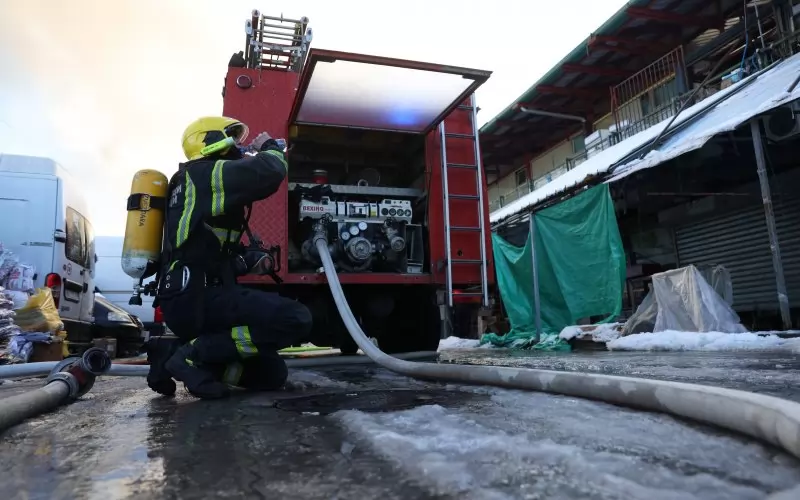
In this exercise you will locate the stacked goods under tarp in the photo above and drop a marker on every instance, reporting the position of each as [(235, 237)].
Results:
[(580, 265), (16, 277), (29, 320), (42, 331), (687, 299), (7, 326)]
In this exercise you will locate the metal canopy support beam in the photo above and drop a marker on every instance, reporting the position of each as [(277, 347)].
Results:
[(588, 94), (536, 142), (709, 22), (777, 262), (626, 47), (595, 70), (626, 44), (536, 304), (551, 114)]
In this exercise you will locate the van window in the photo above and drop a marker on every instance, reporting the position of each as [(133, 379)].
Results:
[(90, 250), (76, 248)]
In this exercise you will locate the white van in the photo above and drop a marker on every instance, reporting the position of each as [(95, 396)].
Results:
[(117, 287), (44, 220)]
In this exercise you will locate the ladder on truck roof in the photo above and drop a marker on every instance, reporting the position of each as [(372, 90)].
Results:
[(276, 43), (476, 198)]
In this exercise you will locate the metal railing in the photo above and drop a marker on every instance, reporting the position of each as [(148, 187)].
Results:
[(671, 101), (649, 95), (564, 167)]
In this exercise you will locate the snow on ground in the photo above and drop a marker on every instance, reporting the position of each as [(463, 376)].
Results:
[(671, 340), (459, 343), (598, 333), (532, 445), (701, 341)]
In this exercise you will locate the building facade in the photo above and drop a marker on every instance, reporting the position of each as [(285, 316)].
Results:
[(707, 93), (635, 71)]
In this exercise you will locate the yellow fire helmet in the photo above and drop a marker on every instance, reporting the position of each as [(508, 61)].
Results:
[(212, 134)]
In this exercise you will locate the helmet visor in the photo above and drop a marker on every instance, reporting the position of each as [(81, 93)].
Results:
[(238, 132)]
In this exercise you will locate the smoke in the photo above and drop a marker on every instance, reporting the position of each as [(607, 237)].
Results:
[(106, 88)]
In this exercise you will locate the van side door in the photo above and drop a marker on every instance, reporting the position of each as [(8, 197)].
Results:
[(77, 296)]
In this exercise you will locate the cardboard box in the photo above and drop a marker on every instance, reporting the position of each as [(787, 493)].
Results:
[(53, 351)]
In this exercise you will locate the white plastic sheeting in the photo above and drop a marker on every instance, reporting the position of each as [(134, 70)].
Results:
[(682, 300), (767, 92)]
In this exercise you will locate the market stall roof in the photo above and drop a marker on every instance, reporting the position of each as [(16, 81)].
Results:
[(638, 34), (342, 89), (722, 112)]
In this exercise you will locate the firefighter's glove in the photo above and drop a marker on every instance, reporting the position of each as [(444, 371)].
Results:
[(259, 142), (260, 263)]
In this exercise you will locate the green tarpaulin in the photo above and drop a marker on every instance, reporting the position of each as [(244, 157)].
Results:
[(580, 265)]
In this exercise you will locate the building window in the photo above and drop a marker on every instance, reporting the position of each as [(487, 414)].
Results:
[(521, 177), (578, 144)]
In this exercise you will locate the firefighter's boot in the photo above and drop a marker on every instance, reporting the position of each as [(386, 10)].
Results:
[(159, 350), (198, 377)]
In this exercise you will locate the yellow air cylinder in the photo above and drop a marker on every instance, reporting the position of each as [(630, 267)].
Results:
[(144, 230)]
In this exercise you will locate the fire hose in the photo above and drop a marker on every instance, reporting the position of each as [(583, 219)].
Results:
[(766, 418), (68, 380)]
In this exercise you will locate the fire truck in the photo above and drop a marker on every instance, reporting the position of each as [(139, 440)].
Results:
[(386, 152)]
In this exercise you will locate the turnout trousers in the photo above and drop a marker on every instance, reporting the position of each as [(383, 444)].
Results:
[(242, 330)]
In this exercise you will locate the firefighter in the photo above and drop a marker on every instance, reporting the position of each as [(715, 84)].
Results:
[(229, 334)]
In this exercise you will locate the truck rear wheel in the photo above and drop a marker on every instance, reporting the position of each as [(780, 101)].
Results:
[(413, 326)]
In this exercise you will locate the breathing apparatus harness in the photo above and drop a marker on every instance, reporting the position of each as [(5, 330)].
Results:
[(253, 257)]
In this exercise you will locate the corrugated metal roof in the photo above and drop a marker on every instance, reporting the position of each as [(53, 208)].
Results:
[(577, 54), (725, 111), (494, 133)]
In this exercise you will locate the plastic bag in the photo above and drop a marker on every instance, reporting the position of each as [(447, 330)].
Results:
[(21, 278), (18, 299), (7, 262), (40, 314)]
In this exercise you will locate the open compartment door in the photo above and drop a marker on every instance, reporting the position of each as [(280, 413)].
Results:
[(341, 89)]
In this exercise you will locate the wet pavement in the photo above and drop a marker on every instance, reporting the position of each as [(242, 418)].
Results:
[(373, 434)]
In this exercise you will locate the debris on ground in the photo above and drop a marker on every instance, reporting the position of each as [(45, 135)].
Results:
[(597, 333), (452, 342)]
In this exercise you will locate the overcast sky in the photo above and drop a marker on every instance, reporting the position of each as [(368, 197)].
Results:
[(107, 87)]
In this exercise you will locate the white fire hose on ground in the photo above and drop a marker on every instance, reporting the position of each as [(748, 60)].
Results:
[(766, 418)]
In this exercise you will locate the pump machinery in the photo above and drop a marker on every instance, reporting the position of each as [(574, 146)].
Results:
[(384, 161)]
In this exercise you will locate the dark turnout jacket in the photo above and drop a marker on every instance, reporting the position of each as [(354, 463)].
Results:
[(208, 199)]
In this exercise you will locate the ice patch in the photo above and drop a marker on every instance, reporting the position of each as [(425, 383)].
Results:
[(459, 343), (670, 340), (301, 380), (504, 452)]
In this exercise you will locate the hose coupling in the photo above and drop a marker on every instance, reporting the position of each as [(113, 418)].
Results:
[(321, 230), (67, 378), (79, 373)]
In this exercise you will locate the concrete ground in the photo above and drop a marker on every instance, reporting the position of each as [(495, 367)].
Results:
[(364, 434)]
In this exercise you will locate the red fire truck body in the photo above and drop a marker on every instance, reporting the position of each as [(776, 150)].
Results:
[(372, 129)]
